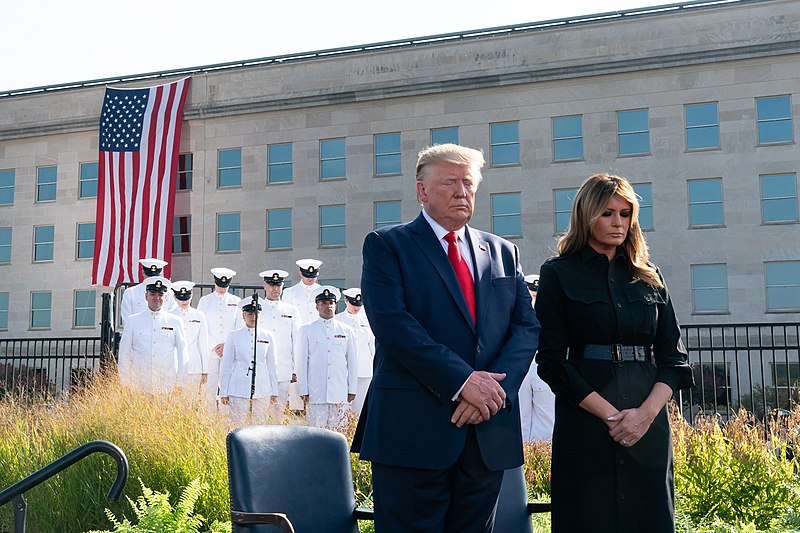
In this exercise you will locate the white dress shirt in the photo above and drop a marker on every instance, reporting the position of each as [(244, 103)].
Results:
[(222, 315), (196, 330), (282, 320), (152, 351), (235, 371)]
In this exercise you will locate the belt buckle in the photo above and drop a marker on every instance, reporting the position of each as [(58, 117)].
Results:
[(616, 353)]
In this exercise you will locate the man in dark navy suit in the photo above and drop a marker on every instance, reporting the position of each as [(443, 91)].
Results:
[(455, 335)]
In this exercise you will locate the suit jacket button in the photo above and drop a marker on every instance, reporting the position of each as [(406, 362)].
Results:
[(478, 348)]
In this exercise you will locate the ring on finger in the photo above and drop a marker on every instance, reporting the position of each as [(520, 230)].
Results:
[(624, 443)]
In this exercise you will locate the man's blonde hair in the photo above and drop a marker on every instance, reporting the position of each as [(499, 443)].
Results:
[(590, 202), (451, 153)]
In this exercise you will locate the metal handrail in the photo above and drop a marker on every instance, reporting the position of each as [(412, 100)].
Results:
[(15, 491)]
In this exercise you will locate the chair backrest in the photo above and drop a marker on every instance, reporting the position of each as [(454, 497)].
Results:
[(303, 472), (512, 505)]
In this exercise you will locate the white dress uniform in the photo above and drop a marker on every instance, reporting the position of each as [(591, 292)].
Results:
[(365, 341), (282, 320), (133, 302), (222, 316), (196, 330), (326, 362), (537, 403), (301, 296), (152, 351), (236, 374)]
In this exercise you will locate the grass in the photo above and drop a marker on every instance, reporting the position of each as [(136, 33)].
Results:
[(738, 476)]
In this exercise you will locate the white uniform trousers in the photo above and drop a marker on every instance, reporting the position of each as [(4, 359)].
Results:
[(190, 383), (324, 415), (363, 385), (537, 408), (239, 410), (212, 385)]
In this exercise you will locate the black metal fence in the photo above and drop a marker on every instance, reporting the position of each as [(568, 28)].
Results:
[(755, 366)]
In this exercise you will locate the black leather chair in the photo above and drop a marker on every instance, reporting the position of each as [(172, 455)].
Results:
[(513, 508), (298, 479), (295, 478)]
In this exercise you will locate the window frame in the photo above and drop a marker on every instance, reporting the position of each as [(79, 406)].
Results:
[(8, 245), (690, 203), (37, 244), (697, 127), (13, 174), (555, 139), (504, 144), (187, 236), (376, 224), (556, 211), (376, 155), (643, 207), (621, 133), (760, 121), (762, 200), (217, 233), (78, 240), (337, 158), (323, 226), (279, 164), (84, 181), (5, 304), (220, 168), (696, 290), (33, 311), (442, 130), (496, 216), (41, 185), (185, 175), (271, 230), (780, 287), (76, 309)]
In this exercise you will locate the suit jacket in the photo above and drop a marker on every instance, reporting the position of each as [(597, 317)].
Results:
[(427, 346)]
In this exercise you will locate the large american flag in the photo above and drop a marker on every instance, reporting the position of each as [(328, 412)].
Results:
[(140, 132)]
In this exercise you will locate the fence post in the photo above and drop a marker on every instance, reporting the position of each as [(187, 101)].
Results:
[(107, 344)]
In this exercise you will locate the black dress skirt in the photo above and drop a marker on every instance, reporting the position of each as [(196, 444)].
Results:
[(598, 485)]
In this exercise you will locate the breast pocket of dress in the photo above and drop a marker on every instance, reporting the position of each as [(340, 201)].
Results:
[(647, 302)]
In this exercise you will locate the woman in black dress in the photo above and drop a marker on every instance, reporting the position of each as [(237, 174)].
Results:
[(611, 351)]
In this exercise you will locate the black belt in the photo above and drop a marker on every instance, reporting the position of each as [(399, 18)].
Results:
[(617, 353)]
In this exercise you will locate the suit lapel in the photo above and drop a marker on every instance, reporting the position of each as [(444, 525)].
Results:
[(482, 268), (422, 234)]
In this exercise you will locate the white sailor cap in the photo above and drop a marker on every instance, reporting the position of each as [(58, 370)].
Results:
[(156, 284), (152, 266), (353, 296), (250, 305), (182, 289), (309, 268), (222, 276), (327, 292), (274, 277), (533, 282)]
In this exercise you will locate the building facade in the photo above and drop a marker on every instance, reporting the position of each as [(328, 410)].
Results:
[(302, 156)]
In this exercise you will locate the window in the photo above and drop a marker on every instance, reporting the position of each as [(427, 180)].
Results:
[(3, 310), (633, 133), (85, 241), (182, 235), (702, 126), (710, 288), (562, 200), (505, 143), (228, 232), (444, 136), (279, 164), (387, 214), (387, 154), (783, 285), (43, 243), (5, 246), (785, 378), (41, 304), (506, 217), (229, 168), (645, 193), (332, 161), (774, 119), (185, 167), (7, 187), (279, 229), (778, 198), (46, 184), (84, 309), (705, 202), (88, 181), (331, 225), (567, 138)]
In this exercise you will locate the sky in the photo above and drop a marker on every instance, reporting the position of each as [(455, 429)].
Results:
[(48, 42)]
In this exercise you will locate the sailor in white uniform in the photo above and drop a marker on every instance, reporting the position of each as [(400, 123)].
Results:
[(282, 320), (301, 294), (355, 317), (537, 403), (153, 348), (237, 368), (222, 316), (133, 297), (326, 362), (194, 326)]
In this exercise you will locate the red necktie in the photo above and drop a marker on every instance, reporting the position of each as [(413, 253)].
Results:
[(462, 271)]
